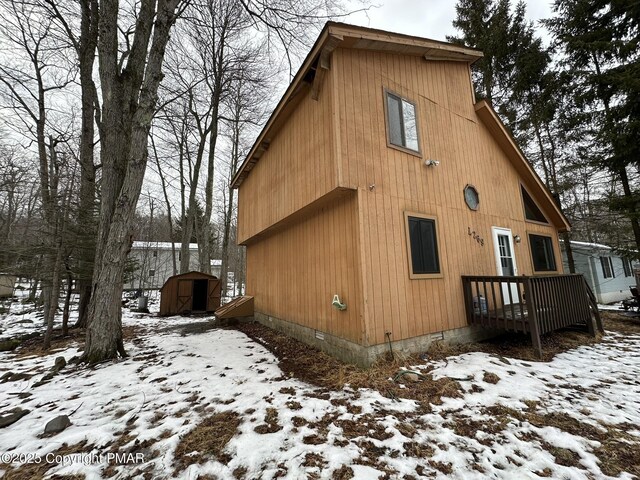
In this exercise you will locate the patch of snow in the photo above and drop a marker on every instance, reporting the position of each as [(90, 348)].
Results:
[(173, 379)]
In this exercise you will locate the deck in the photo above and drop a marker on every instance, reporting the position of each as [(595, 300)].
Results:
[(531, 305)]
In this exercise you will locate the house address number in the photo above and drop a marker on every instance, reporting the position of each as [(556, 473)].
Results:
[(476, 237)]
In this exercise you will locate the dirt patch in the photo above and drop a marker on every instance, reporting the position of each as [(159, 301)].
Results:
[(343, 473), (490, 377), (270, 424), (208, 439), (620, 322), (314, 460), (309, 364), (517, 346), (466, 427), (364, 426)]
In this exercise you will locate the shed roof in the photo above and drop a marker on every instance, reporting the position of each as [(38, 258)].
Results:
[(192, 273), (342, 35)]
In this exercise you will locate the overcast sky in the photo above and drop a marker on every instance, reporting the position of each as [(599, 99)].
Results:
[(427, 18)]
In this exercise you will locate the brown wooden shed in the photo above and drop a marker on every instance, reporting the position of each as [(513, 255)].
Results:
[(192, 292)]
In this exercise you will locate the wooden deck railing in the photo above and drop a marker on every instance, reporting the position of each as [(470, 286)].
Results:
[(533, 305)]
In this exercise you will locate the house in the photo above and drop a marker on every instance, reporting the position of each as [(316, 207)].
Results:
[(152, 263), (609, 275), (376, 185)]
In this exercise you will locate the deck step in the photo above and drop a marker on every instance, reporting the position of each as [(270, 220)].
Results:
[(236, 308)]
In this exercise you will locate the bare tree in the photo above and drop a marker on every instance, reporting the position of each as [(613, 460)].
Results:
[(129, 84), (37, 70)]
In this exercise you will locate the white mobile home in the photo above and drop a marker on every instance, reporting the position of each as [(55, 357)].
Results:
[(609, 274), (153, 264)]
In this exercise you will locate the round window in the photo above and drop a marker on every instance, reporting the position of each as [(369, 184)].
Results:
[(471, 197)]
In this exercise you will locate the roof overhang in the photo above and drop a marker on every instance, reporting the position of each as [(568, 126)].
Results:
[(342, 35), (500, 133)]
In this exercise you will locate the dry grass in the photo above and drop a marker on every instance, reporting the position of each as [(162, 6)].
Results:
[(270, 424), (343, 473), (207, 440), (619, 322), (313, 366), (490, 377), (37, 471), (618, 451), (516, 346)]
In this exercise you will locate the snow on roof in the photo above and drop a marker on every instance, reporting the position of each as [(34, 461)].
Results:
[(598, 246), (588, 245), (161, 245), (216, 262)]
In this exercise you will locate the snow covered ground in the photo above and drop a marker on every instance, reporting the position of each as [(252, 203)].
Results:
[(513, 419)]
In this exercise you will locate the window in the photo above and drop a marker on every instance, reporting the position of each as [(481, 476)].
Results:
[(155, 253), (152, 272), (471, 197), (423, 246), (402, 127), (531, 210), (607, 267), (626, 265), (542, 253)]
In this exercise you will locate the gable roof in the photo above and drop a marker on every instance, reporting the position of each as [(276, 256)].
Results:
[(508, 145), (342, 35), (192, 274)]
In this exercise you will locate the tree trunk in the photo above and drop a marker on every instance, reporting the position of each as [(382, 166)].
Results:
[(86, 214), (54, 293), (67, 304), (129, 100)]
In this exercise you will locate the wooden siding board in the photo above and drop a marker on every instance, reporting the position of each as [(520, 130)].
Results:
[(450, 133)]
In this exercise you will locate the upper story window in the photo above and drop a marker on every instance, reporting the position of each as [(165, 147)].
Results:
[(402, 124), (531, 210)]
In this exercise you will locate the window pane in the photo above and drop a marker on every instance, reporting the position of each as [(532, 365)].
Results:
[(626, 265), (531, 210), (542, 253), (410, 127), (394, 113), (424, 247)]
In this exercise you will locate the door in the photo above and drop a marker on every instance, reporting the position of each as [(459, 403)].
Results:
[(184, 296), (200, 295), (505, 262), (214, 295)]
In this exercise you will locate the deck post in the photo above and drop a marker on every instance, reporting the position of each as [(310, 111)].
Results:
[(468, 299), (533, 318)]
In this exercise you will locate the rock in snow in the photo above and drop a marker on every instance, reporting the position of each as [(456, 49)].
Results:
[(59, 364), (57, 425), (13, 417)]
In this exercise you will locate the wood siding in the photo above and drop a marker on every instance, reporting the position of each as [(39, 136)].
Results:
[(294, 273), (450, 133), (297, 168)]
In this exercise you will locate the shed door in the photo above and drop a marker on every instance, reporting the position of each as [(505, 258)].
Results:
[(185, 291), (214, 295), (505, 262)]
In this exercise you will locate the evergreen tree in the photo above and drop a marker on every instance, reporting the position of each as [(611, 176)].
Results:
[(599, 40), (514, 58)]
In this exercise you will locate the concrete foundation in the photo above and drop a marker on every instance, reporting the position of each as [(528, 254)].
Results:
[(364, 356)]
